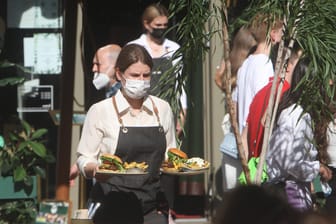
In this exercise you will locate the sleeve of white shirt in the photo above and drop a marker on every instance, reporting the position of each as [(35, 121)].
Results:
[(167, 117), (302, 160), (291, 152), (91, 136)]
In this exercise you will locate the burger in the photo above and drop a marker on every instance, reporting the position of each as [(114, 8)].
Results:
[(176, 159), (175, 154), (111, 162)]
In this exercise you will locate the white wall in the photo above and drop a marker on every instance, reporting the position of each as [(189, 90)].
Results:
[(213, 107), (79, 96)]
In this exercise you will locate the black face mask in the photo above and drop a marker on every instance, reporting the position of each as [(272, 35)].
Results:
[(159, 33)]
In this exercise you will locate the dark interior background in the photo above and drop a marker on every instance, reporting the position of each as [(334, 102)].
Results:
[(104, 22)]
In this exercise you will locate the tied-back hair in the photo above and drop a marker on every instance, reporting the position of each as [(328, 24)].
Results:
[(133, 53), (242, 45), (154, 10)]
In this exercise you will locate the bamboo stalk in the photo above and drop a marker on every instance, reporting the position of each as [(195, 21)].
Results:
[(228, 98), (271, 110)]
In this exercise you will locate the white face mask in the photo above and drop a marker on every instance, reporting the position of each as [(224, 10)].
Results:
[(100, 80), (136, 89)]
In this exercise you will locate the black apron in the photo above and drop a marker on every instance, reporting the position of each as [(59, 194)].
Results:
[(160, 67), (128, 197)]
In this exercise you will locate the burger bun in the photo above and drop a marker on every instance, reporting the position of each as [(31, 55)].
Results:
[(178, 152)]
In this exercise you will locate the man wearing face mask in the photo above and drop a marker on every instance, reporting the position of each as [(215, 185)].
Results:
[(103, 69), (104, 77)]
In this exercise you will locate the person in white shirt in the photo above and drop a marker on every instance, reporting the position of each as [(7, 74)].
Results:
[(243, 44), (136, 127), (292, 157), (162, 50), (103, 78), (257, 67)]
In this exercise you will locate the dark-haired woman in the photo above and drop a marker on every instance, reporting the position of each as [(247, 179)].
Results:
[(292, 157)]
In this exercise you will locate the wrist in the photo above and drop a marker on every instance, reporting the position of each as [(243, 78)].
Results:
[(90, 170)]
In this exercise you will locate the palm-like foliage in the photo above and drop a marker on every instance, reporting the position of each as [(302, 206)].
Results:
[(13, 80), (309, 22), (191, 33)]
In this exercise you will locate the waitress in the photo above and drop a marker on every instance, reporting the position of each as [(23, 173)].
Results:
[(136, 127), (162, 50)]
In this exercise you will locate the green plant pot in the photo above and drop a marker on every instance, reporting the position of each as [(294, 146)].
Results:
[(12, 190)]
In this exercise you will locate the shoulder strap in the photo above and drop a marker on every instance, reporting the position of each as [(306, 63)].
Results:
[(117, 111)]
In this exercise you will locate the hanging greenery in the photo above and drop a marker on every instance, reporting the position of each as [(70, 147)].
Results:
[(310, 23), (315, 27), (191, 34)]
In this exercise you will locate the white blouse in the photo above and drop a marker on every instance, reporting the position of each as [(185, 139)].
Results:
[(101, 127), (291, 154), (171, 48)]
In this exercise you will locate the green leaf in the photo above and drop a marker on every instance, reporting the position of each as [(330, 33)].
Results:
[(40, 171), (13, 137), (38, 148), (27, 128), (37, 134), (11, 81), (19, 174), (22, 146)]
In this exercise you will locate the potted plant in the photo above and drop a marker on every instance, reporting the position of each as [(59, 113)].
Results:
[(24, 155), (23, 158)]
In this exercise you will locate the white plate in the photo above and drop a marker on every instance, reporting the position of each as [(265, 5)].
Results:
[(194, 169), (184, 172), (127, 172)]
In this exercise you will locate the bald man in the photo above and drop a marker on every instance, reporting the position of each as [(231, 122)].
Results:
[(103, 68), (104, 77)]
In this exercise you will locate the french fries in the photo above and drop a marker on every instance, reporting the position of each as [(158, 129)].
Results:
[(142, 165)]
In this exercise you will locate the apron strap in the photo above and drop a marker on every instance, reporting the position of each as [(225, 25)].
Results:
[(156, 111), (117, 111)]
